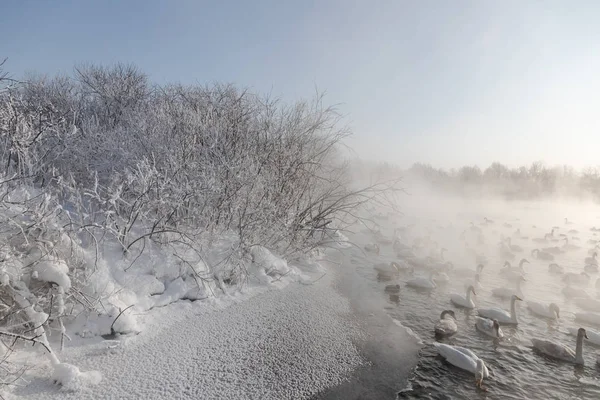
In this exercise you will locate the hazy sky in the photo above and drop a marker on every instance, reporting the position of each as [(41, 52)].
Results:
[(444, 82)]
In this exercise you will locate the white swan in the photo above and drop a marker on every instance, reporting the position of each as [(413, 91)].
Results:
[(465, 359), (547, 311), (560, 351), (569, 246), (577, 279), (391, 267), (588, 304), (555, 268), (542, 255), (511, 273), (592, 336), (468, 272), (501, 315), (506, 293), (513, 247), (552, 250), (464, 301), (423, 283), (476, 283), (446, 326), (373, 248), (592, 259), (490, 327), (575, 293), (591, 269), (591, 318)]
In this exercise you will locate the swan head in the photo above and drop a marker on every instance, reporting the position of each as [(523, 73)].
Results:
[(554, 307), (447, 312), (394, 265), (471, 289), (582, 333), (479, 373), (523, 261), (534, 251), (516, 298), (507, 264), (479, 268)]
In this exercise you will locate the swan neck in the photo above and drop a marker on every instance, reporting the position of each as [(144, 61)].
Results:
[(513, 311), (579, 349)]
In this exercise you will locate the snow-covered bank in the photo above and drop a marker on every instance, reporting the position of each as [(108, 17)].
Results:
[(268, 343)]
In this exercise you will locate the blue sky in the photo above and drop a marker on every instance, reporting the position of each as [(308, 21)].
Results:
[(449, 83)]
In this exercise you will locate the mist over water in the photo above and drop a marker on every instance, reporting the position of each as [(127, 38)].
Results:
[(474, 229)]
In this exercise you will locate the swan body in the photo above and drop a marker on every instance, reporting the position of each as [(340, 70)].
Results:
[(547, 311), (555, 268), (552, 250), (464, 359), (591, 268), (560, 351), (542, 255), (466, 272), (489, 327), (591, 318), (575, 293), (513, 247), (372, 248), (423, 283), (592, 336), (506, 293), (464, 301), (592, 259), (441, 277), (502, 316), (577, 279), (588, 304), (446, 326)]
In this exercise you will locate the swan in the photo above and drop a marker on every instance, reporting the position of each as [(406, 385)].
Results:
[(393, 289), (592, 259), (490, 327), (441, 277), (468, 272), (502, 316), (513, 247), (544, 239), (446, 326), (423, 283), (555, 250), (542, 255), (373, 248), (548, 311), (465, 359), (580, 279), (475, 282), (567, 222), (575, 293), (398, 246), (513, 273), (592, 336), (464, 301), (590, 269), (592, 318), (506, 293), (588, 304), (555, 268), (569, 246), (560, 351)]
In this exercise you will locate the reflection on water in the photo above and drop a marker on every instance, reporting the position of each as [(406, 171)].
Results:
[(517, 371)]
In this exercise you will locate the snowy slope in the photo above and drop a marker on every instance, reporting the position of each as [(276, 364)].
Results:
[(289, 343)]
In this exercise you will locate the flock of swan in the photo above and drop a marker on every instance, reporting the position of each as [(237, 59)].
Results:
[(427, 272)]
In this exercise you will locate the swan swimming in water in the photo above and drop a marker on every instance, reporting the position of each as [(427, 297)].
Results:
[(577, 279), (465, 359), (555, 268), (560, 351), (542, 255), (490, 327), (592, 336), (373, 248), (592, 259), (446, 326), (464, 301), (468, 272), (506, 293), (423, 283), (547, 311), (513, 247), (502, 316)]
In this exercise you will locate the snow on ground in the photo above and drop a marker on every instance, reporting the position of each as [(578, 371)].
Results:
[(263, 344)]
